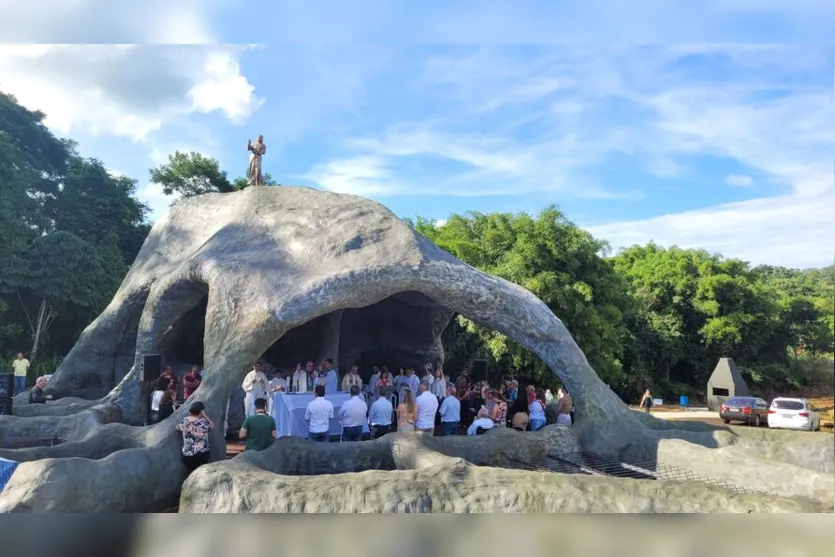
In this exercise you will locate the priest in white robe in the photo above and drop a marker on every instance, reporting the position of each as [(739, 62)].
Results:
[(298, 383), (255, 386)]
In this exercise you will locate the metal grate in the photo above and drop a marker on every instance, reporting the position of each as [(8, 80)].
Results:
[(602, 465)]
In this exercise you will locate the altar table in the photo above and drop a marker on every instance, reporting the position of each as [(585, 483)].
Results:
[(288, 411)]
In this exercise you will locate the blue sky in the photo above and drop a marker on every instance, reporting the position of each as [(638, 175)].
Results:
[(723, 147)]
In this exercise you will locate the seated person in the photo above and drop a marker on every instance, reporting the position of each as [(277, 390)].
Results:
[(36, 395), (480, 425)]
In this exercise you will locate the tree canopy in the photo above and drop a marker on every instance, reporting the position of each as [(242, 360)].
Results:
[(68, 233), (555, 260)]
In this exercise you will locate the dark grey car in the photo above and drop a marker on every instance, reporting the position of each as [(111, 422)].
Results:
[(747, 409)]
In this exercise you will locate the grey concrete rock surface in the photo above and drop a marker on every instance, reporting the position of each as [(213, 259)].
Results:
[(419, 478), (247, 271)]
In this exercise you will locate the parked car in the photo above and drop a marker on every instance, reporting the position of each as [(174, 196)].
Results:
[(747, 409), (793, 413)]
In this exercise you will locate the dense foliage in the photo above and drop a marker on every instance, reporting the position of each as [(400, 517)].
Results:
[(68, 233), (648, 316)]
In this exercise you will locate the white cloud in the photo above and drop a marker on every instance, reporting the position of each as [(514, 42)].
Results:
[(440, 222), (792, 230), (126, 91), (511, 123), (357, 176), (739, 180)]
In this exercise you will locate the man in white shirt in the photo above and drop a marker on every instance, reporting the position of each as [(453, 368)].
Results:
[(450, 412), (20, 365), (483, 423), (255, 386), (427, 406), (331, 377), (318, 415), (380, 414), (298, 383), (351, 379), (352, 415)]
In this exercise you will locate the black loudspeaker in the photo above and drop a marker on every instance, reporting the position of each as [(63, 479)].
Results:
[(5, 406), (6, 385), (479, 370), (150, 367)]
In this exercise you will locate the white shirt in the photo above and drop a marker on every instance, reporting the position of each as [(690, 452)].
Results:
[(438, 387), (451, 409), (299, 382), (427, 405), (278, 382), (318, 414), (352, 412), (381, 412), (255, 384), (483, 423), (429, 378)]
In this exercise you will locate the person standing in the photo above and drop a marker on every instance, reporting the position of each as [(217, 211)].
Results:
[(166, 379), (380, 414), (406, 411), (255, 386), (564, 407), (191, 381), (439, 385), (427, 406), (195, 429), (450, 412), (646, 401), (20, 365), (298, 383), (352, 414), (536, 409), (318, 415), (372, 382), (351, 379), (331, 376), (258, 430)]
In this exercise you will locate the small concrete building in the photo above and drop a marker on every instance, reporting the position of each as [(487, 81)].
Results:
[(725, 382)]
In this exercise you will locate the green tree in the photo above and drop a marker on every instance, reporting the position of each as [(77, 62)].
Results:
[(68, 232), (557, 261), (62, 270), (191, 174)]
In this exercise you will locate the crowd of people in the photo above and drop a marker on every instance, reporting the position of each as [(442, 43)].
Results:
[(406, 401), (431, 403)]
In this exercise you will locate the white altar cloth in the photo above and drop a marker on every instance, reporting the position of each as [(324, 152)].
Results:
[(288, 411)]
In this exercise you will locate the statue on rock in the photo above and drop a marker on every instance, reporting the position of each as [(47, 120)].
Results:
[(256, 151)]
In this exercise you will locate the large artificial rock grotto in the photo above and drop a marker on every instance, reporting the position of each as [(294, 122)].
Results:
[(286, 273)]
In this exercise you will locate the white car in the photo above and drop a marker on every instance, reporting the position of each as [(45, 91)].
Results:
[(793, 413)]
